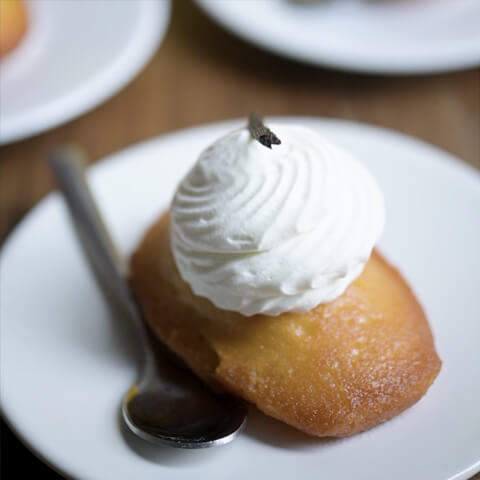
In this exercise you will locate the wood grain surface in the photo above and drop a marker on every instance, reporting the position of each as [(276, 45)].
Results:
[(202, 74)]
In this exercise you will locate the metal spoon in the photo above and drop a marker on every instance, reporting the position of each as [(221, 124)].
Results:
[(167, 405)]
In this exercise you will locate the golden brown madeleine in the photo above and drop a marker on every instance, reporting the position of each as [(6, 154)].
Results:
[(339, 369), (13, 24)]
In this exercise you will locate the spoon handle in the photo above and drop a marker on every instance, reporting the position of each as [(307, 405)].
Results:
[(68, 164)]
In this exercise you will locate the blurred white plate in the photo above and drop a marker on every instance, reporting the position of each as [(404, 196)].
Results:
[(384, 36), (66, 364), (75, 55)]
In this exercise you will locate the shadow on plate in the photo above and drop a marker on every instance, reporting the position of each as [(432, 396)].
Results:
[(265, 429)]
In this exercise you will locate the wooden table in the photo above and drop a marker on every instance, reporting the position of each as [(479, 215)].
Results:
[(202, 74)]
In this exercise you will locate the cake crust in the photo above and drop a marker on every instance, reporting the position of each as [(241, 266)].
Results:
[(336, 370)]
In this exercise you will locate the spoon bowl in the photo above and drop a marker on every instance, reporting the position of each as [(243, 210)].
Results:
[(168, 405), (192, 421)]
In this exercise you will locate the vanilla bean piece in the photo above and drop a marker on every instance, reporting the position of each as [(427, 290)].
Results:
[(261, 133)]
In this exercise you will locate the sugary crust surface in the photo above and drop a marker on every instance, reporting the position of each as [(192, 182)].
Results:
[(341, 368)]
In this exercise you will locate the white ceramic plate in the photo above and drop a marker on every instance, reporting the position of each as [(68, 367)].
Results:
[(378, 36), (66, 364), (75, 55)]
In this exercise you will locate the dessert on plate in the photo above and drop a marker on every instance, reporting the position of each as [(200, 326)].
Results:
[(13, 24), (263, 276)]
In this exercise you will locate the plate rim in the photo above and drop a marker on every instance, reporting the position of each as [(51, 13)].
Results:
[(207, 7), (103, 84), (122, 155)]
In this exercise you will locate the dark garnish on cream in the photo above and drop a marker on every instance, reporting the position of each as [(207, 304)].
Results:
[(260, 132)]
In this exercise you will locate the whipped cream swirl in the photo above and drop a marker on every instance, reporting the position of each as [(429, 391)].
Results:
[(271, 231)]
